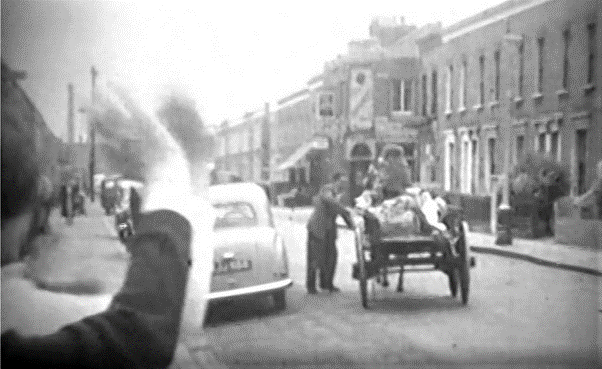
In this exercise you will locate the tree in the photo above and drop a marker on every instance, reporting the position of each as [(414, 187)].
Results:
[(536, 183)]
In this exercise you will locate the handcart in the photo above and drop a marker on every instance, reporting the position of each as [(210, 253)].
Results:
[(379, 255)]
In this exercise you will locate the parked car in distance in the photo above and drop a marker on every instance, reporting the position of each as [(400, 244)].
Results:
[(250, 257)]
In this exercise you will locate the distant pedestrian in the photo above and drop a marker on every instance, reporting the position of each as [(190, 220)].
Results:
[(135, 206), (322, 234)]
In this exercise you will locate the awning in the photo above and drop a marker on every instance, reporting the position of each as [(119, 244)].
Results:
[(318, 143)]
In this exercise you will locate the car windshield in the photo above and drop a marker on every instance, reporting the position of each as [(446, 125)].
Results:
[(234, 214)]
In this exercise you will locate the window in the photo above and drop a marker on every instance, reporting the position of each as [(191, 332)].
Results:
[(464, 166), (424, 94), (496, 58), (463, 86), (292, 175), (232, 215), (565, 59), (554, 141), (450, 91), (326, 105), (521, 69), (520, 148), (491, 147), (451, 155), (541, 142), (434, 93), (540, 56), (481, 79), (407, 96), (474, 166), (591, 38), (581, 153), (396, 93), (302, 176)]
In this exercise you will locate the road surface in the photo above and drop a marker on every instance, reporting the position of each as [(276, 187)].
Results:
[(518, 313)]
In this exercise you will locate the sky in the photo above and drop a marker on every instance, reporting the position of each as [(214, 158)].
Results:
[(230, 57)]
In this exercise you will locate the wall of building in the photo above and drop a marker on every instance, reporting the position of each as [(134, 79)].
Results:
[(239, 147), (503, 119)]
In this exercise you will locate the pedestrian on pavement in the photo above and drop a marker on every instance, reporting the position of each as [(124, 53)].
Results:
[(322, 235), (135, 206), (141, 326), (67, 202)]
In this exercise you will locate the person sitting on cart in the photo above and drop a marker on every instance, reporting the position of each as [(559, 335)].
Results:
[(395, 174), (322, 235)]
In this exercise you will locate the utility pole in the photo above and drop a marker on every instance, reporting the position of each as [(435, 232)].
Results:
[(92, 125), (70, 122)]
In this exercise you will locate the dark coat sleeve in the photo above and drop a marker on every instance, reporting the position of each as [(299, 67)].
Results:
[(141, 326)]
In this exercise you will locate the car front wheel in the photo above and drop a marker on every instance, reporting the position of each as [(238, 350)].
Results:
[(279, 300)]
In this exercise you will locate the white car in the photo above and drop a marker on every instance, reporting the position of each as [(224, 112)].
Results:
[(250, 257)]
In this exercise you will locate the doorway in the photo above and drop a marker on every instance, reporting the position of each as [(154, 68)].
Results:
[(361, 156)]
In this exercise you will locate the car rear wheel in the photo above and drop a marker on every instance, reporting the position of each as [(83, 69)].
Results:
[(279, 300)]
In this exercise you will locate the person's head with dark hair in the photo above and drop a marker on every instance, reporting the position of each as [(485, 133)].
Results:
[(20, 172), (338, 180)]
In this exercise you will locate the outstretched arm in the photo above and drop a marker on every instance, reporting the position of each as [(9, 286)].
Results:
[(141, 326), (329, 197)]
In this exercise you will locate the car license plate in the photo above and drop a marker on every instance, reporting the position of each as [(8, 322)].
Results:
[(235, 265)]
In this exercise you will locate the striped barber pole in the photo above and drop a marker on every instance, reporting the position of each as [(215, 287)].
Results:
[(361, 107)]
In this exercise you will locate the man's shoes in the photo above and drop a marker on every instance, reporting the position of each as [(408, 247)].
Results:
[(334, 289), (312, 291)]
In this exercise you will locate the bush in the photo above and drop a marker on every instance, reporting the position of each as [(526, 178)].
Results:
[(535, 184)]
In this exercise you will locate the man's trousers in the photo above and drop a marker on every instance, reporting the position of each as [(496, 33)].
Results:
[(321, 255)]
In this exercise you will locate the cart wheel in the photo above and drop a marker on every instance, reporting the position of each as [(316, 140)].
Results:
[(453, 282), (361, 262), (464, 267)]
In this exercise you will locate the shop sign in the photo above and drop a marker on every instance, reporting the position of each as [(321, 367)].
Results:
[(392, 131), (361, 99)]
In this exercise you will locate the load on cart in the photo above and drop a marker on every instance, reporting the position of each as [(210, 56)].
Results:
[(401, 229)]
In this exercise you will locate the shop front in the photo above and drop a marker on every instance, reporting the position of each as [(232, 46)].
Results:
[(304, 169)]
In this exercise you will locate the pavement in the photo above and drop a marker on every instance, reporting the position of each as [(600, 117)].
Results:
[(83, 258), (519, 315), (544, 251)]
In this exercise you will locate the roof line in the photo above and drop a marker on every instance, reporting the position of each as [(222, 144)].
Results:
[(293, 95), (489, 16)]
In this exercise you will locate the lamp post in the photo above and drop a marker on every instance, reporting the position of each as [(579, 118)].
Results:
[(92, 127), (504, 227)]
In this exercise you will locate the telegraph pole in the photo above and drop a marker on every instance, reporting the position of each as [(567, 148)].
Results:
[(70, 122), (92, 124)]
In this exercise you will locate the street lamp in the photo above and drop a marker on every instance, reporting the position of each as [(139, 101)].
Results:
[(504, 228)]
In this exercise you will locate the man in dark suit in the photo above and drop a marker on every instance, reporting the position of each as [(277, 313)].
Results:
[(322, 234)]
